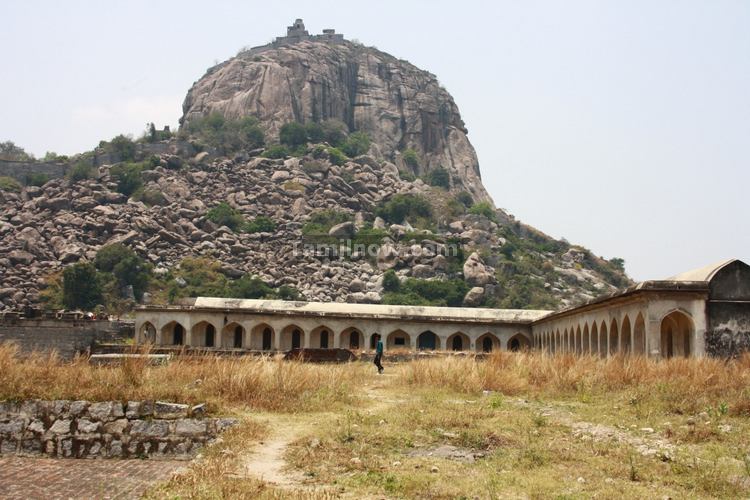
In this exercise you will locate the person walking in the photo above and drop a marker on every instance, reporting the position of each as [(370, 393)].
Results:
[(378, 353)]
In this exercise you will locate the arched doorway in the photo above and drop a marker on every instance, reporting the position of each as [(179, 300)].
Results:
[(487, 344), (639, 335), (233, 336), (352, 338), (614, 338), (262, 338), (459, 341), (292, 337), (398, 339), (147, 333), (625, 333), (204, 335), (594, 339), (321, 337), (586, 346), (428, 341), (579, 343), (676, 335), (518, 342), (603, 340), (173, 333)]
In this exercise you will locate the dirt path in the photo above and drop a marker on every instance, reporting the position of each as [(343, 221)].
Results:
[(266, 462)]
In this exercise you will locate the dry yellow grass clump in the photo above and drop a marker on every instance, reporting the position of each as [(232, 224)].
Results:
[(257, 382), (682, 384)]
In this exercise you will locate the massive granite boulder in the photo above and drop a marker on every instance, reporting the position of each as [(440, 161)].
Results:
[(397, 104)]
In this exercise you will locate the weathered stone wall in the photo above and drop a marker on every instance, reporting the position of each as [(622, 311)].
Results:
[(67, 337), (19, 170), (110, 429), (728, 335)]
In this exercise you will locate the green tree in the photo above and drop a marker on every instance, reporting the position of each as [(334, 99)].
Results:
[(125, 265), (123, 146), (9, 151), (224, 215), (356, 144), (439, 177), (128, 177), (249, 287), (276, 151), (401, 206), (9, 184), (80, 171), (334, 132), (81, 287), (315, 132), (411, 158), (260, 224), (484, 208), (293, 134), (391, 283)]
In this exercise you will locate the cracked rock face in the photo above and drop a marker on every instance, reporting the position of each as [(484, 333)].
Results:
[(397, 104)]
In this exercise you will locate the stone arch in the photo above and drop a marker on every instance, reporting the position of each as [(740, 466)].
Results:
[(518, 342), (233, 336), (594, 339), (614, 337), (321, 337), (639, 335), (565, 341), (579, 343), (557, 347), (676, 334), (603, 340), (292, 337), (262, 337), (203, 334), (398, 339), (586, 340), (458, 341), (352, 338), (487, 342), (174, 332), (147, 333), (625, 333), (428, 340)]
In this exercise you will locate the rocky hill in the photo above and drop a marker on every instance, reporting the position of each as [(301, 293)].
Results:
[(401, 107), (308, 221)]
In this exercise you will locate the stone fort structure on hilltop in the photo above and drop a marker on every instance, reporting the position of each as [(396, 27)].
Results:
[(297, 33)]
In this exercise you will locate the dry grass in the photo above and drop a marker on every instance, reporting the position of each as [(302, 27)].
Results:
[(224, 383), (681, 385)]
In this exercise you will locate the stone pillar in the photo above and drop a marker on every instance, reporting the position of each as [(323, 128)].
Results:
[(306, 339)]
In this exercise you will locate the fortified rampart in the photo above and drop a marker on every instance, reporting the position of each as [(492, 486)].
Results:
[(66, 336)]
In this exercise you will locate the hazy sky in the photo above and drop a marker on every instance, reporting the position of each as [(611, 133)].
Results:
[(621, 126)]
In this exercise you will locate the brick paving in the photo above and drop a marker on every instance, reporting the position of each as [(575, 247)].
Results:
[(50, 478)]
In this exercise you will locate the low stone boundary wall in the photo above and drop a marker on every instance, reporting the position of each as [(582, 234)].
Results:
[(111, 429)]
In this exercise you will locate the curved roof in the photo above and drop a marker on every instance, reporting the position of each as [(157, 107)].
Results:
[(703, 274)]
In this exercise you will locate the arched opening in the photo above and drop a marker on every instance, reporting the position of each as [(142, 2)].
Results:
[(556, 347), (233, 336), (676, 335), (291, 338), (594, 339), (625, 333), (352, 338), (173, 333), (398, 339), (320, 337), (518, 342), (565, 347), (428, 341), (459, 341), (579, 344), (614, 337), (586, 339), (262, 337), (204, 335), (487, 342), (147, 333), (639, 335), (603, 340)]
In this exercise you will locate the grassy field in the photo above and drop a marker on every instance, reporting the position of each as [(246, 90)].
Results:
[(514, 425)]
